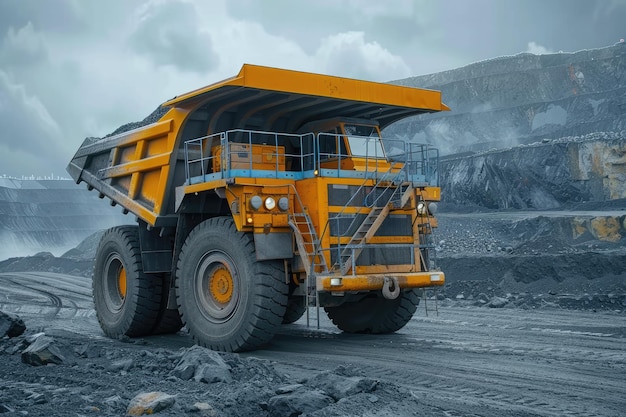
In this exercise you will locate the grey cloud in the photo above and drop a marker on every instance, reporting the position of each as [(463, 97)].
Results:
[(28, 128), (169, 34), (349, 54), (436, 35), (393, 23), (23, 47), (55, 16)]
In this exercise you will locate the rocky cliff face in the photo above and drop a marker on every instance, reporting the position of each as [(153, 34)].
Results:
[(544, 175), (49, 215), (529, 131), (522, 99)]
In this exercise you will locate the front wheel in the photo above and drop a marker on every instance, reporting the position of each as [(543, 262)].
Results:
[(375, 314), (228, 300)]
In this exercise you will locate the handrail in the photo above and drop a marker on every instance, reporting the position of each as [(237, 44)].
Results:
[(308, 153), (356, 193), (352, 224)]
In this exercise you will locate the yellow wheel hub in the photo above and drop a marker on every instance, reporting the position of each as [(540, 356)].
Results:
[(121, 282), (221, 285)]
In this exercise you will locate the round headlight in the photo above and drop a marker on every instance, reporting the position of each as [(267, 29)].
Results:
[(270, 203), (432, 208), (283, 203), (256, 202), (421, 208)]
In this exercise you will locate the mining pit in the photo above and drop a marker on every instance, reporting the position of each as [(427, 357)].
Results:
[(531, 235)]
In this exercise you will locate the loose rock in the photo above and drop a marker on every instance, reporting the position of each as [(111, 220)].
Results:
[(122, 365), (43, 351), (298, 402), (497, 302), (204, 409), (203, 365), (150, 403), (11, 325), (88, 350), (338, 386)]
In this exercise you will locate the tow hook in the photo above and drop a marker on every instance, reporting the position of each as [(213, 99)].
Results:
[(391, 288)]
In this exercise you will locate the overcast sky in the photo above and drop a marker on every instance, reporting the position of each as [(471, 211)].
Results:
[(76, 68)]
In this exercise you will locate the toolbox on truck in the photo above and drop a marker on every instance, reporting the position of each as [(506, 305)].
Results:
[(250, 156)]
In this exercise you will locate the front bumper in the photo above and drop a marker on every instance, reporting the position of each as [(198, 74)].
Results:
[(342, 283)]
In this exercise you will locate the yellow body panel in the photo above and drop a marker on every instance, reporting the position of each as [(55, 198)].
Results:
[(304, 83), (431, 193), (139, 166)]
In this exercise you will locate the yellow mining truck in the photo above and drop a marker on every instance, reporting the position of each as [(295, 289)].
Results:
[(259, 198)]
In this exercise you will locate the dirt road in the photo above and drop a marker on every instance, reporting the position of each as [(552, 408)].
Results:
[(465, 361)]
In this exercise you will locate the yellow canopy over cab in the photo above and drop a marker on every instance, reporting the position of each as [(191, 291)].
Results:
[(275, 99)]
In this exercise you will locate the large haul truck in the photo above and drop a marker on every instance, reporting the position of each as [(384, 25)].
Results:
[(260, 198)]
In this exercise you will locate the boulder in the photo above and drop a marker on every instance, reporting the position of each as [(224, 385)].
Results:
[(203, 365), (298, 402), (88, 350), (11, 325), (149, 403), (339, 386), (498, 302), (210, 373), (43, 351)]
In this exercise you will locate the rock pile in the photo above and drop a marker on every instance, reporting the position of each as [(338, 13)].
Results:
[(88, 376)]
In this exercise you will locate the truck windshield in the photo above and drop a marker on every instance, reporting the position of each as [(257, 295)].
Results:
[(364, 141)]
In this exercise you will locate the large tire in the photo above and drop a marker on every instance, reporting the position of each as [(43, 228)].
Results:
[(169, 320), (228, 300), (375, 314), (127, 301), (295, 309)]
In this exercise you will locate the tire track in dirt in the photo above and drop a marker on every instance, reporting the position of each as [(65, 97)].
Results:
[(45, 299), (54, 301)]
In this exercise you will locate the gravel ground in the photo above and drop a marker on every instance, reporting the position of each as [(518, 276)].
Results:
[(464, 361), (513, 265)]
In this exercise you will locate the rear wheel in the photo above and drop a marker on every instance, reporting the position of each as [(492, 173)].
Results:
[(295, 309), (126, 300), (228, 300), (375, 314), (169, 320)]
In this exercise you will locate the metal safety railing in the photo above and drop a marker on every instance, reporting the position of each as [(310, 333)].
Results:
[(251, 153), (246, 153)]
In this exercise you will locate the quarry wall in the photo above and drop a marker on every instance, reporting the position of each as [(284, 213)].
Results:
[(50, 215), (540, 176), (522, 99)]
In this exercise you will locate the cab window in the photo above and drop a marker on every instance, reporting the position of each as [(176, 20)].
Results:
[(364, 140)]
